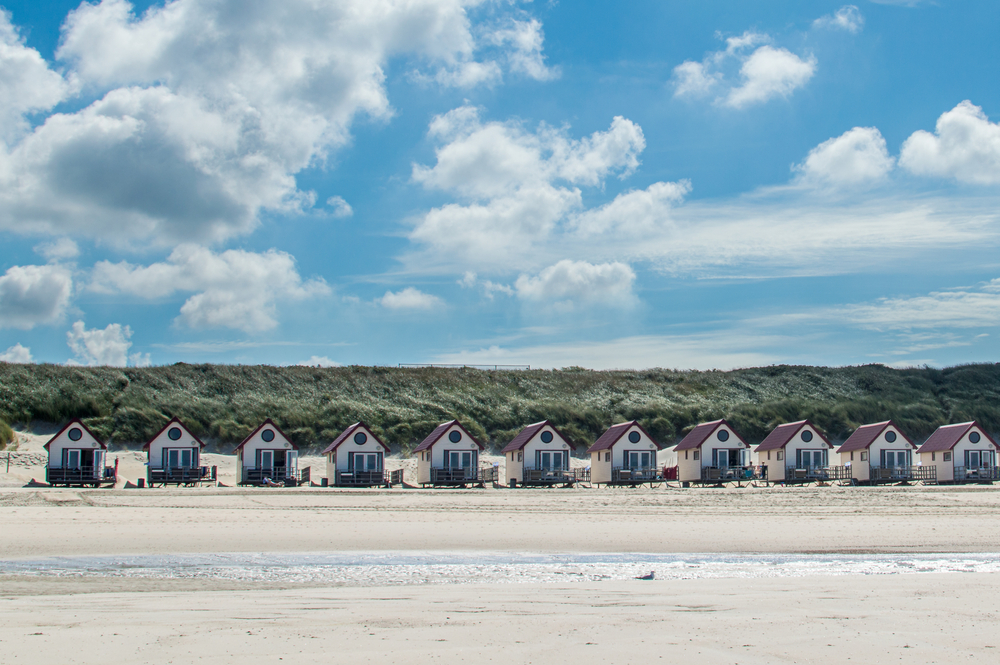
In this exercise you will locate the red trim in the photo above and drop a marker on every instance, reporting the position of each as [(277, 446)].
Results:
[(259, 428), (346, 434), (170, 422), (67, 426), (439, 431)]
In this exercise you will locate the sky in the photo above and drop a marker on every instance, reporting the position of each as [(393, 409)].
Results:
[(597, 184)]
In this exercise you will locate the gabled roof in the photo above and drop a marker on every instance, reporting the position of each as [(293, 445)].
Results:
[(946, 436), (173, 421), (864, 436), (700, 434), (346, 434), (525, 435), (439, 431), (259, 428), (616, 432), (75, 421), (782, 434)]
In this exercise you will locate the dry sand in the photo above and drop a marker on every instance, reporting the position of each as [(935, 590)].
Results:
[(917, 618)]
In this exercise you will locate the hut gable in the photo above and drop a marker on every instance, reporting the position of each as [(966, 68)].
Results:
[(864, 436), (529, 432), (700, 434), (85, 440), (782, 435), (614, 434), (185, 434), (439, 433), (284, 442), (349, 435), (947, 437)]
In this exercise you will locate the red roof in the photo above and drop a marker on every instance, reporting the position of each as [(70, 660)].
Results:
[(616, 432), (525, 435), (700, 434), (172, 421), (259, 428), (348, 432), (782, 434), (946, 436), (439, 431), (866, 435), (79, 422)]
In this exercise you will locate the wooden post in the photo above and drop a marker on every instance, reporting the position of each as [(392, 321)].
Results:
[(8, 462)]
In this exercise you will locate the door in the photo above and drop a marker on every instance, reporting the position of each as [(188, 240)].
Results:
[(974, 459), (545, 461), (639, 460), (720, 458), (72, 459), (267, 460), (896, 458), (810, 459), (291, 463), (366, 462)]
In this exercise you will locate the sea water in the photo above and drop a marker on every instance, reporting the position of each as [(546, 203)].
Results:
[(403, 568)]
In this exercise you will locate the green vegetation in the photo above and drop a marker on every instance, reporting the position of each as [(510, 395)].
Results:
[(6, 435), (223, 403)]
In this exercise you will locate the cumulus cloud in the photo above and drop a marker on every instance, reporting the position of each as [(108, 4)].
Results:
[(965, 146), (103, 347), (207, 109), (858, 156), (579, 282), (318, 361), (765, 73), (847, 18), (409, 299), (234, 289), (34, 295), (62, 249), (525, 56), (16, 354), (489, 288), (634, 212), (339, 207)]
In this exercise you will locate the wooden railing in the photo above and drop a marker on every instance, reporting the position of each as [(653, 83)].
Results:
[(465, 475), (356, 478), (634, 476), (817, 474), (899, 474), (83, 475), (548, 476), (977, 473), (279, 474), (181, 475), (733, 474)]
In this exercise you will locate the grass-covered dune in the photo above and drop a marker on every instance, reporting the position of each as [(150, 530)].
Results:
[(223, 403)]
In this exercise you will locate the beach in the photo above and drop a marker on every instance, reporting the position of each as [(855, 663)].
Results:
[(745, 575)]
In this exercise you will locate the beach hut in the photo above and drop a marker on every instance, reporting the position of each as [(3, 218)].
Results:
[(961, 453), (173, 457), (714, 453), (77, 457), (624, 455), (880, 452), (356, 458), (797, 452), (449, 456), (539, 455), (268, 457)]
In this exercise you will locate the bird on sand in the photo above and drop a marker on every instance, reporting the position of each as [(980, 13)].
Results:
[(646, 577)]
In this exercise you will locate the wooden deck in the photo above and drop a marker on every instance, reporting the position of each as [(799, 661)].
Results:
[(736, 475), (181, 476), (903, 474), (818, 474), (463, 477), (278, 474), (626, 477), (981, 474), (85, 476), (553, 477), (362, 479)]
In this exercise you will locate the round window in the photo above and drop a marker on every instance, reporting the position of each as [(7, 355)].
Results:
[(807, 436), (546, 437), (890, 436), (974, 437), (455, 436), (723, 435), (360, 438), (174, 433), (267, 435), (75, 434), (634, 437)]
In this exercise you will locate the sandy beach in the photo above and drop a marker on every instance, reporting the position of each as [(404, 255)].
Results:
[(86, 616)]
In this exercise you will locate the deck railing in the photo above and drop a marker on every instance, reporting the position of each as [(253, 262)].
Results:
[(356, 478), (181, 475), (900, 474), (278, 474), (976, 473), (817, 474), (733, 474), (552, 476), (464, 475), (634, 476), (83, 475)]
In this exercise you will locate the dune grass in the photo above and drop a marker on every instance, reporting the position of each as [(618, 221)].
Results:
[(223, 403)]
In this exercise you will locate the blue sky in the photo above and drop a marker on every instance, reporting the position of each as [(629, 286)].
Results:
[(691, 185)]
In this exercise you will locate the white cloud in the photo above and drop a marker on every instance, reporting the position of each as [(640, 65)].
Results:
[(340, 207), (764, 74), (62, 249), (101, 347), (770, 72), (27, 85), (525, 57), (16, 354), (34, 295), (489, 288), (847, 18), (857, 157), (976, 307), (409, 298), (319, 361), (234, 289), (633, 213), (965, 146), (580, 282), (207, 109)]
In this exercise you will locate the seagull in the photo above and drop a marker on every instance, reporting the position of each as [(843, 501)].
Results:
[(646, 577)]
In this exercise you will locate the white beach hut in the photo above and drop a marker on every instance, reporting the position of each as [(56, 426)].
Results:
[(356, 458), (267, 456), (539, 455), (173, 456), (449, 456), (880, 452), (714, 452), (624, 455), (77, 457), (961, 453), (796, 452)]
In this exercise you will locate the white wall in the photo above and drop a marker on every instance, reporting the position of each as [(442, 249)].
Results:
[(965, 444), (434, 457), (250, 448), (623, 445), (881, 443), (63, 442), (339, 459), (163, 440)]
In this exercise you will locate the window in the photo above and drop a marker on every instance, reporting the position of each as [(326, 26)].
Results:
[(546, 437), (852, 456), (697, 455), (520, 456), (807, 436), (455, 436), (932, 456), (722, 435), (946, 457), (267, 435), (769, 455), (174, 433), (607, 456), (974, 437), (685, 454), (864, 456), (634, 437), (890, 436), (781, 455), (75, 434), (360, 438)]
